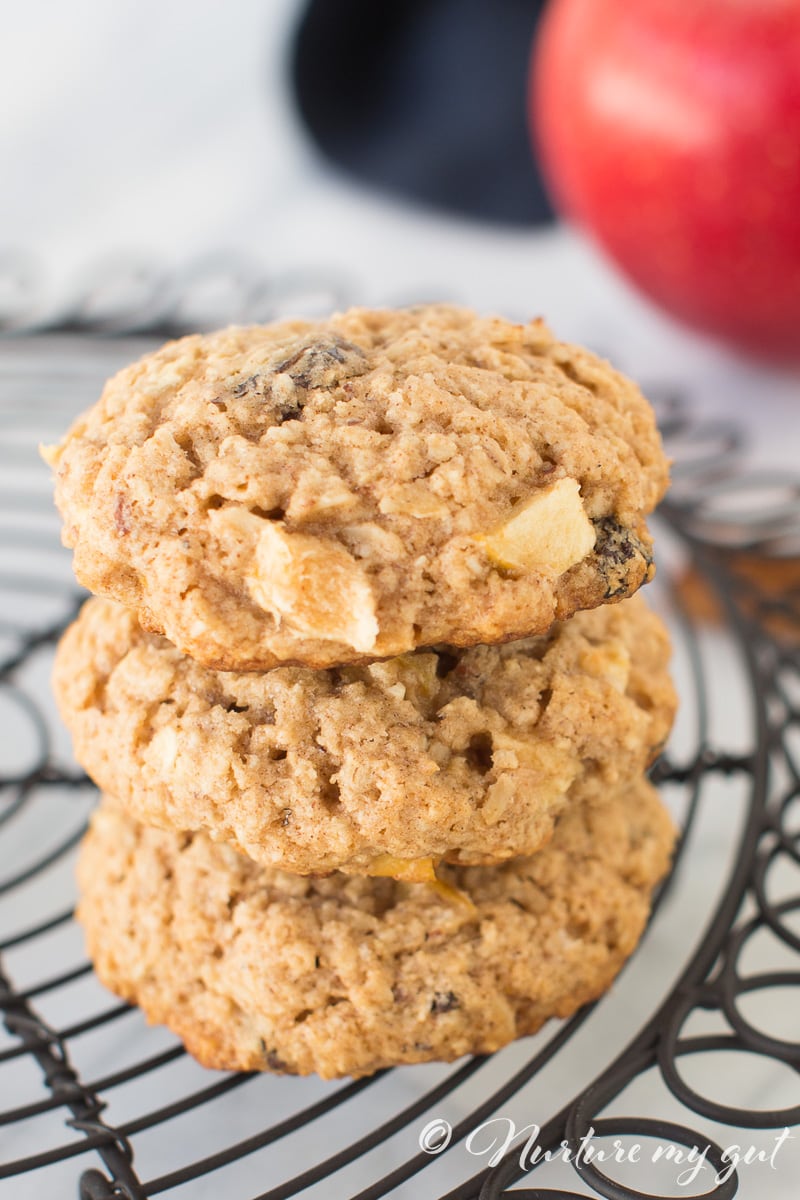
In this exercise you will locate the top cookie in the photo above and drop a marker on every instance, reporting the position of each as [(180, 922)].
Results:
[(321, 493)]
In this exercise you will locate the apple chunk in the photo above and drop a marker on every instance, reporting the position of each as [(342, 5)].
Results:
[(548, 533), (315, 585)]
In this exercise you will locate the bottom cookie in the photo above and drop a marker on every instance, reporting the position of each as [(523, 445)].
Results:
[(257, 969)]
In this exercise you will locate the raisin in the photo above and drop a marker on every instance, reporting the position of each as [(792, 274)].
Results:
[(273, 1059), (252, 384), (323, 363), (315, 364), (444, 1002), (616, 546), (256, 387)]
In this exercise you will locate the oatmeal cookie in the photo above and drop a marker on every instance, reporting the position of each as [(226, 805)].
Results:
[(319, 493), (257, 969), (466, 755)]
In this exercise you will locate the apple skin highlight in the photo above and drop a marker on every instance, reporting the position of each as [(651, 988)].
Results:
[(671, 134)]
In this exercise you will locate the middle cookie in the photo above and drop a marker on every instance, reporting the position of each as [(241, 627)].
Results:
[(464, 755)]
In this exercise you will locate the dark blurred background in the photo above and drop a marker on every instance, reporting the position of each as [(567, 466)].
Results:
[(425, 100)]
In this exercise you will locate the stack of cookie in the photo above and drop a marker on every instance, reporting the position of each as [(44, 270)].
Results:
[(365, 691)]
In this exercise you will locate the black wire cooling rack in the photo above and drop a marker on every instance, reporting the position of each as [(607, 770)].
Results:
[(692, 1057)]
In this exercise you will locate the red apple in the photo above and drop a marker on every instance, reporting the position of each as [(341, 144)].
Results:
[(670, 130)]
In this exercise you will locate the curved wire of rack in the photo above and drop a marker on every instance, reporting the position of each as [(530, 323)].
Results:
[(718, 514)]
